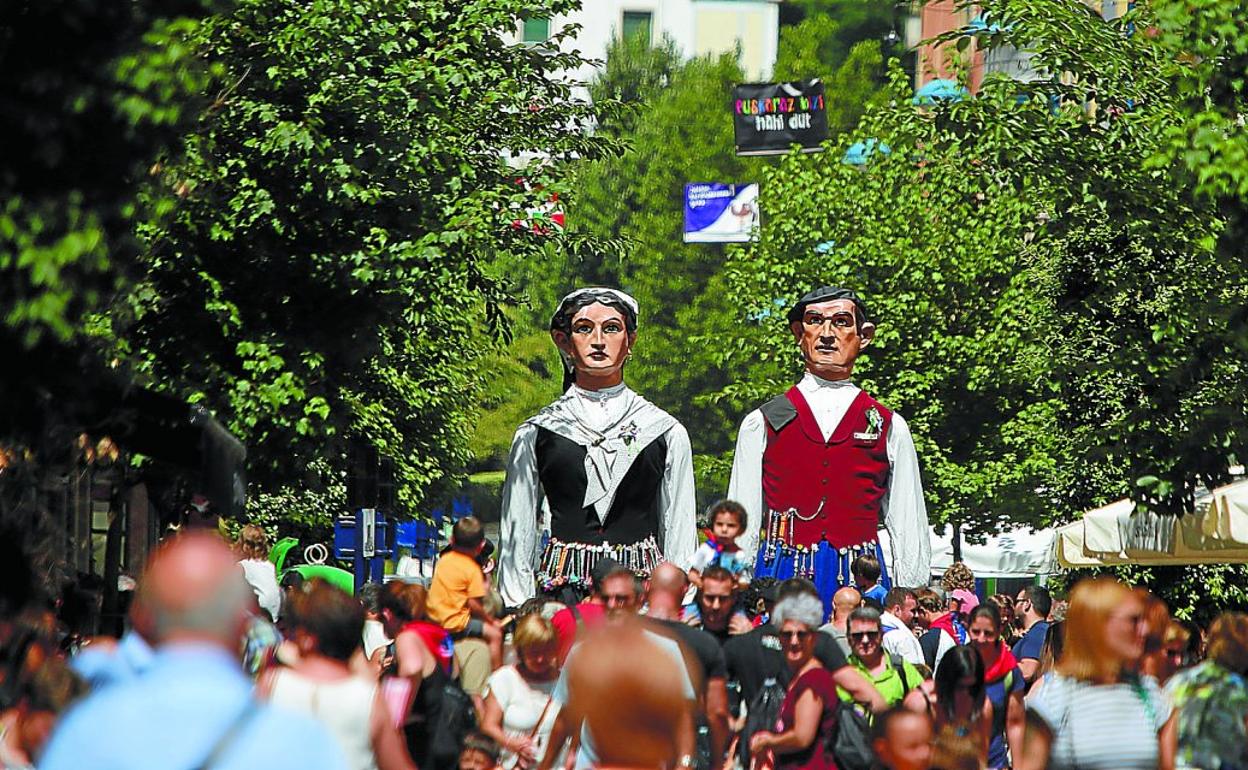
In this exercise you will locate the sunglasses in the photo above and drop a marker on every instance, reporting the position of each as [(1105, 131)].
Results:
[(862, 636), (797, 636)]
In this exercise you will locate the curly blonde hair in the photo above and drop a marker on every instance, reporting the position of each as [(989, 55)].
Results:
[(958, 575), (252, 543)]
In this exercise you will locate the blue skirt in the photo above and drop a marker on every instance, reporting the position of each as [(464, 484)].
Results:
[(825, 566)]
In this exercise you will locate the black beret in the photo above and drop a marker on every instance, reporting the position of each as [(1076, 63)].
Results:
[(823, 294)]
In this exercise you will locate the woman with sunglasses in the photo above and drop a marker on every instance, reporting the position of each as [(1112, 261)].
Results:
[(1156, 661), (1096, 711), (808, 714)]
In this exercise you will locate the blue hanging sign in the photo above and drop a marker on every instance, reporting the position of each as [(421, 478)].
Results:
[(721, 213)]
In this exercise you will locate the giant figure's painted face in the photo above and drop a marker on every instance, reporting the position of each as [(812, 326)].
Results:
[(831, 338), (598, 344)]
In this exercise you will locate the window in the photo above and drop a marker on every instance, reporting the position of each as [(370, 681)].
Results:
[(536, 30), (637, 24)]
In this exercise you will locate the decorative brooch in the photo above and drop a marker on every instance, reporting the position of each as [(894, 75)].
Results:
[(875, 424), (628, 433)]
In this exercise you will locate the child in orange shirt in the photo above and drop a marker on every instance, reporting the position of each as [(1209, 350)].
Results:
[(458, 587)]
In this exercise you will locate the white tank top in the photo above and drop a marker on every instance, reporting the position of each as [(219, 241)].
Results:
[(345, 708)]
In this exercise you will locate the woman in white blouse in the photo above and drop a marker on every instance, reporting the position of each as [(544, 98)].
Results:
[(1095, 712), (253, 557), (519, 712)]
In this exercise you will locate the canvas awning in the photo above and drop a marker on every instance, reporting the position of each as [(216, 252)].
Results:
[(1215, 532), (1225, 516), (1014, 553)]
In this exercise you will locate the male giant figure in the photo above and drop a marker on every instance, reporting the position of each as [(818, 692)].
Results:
[(820, 467)]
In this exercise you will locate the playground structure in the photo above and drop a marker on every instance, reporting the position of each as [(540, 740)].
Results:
[(368, 539)]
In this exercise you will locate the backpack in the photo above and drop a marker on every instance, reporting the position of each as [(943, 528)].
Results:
[(434, 719), (455, 719), (764, 711), (930, 642), (899, 665), (850, 742)]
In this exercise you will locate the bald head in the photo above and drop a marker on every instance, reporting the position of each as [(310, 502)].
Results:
[(193, 589), (669, 579), (668, 584), (845, 601)]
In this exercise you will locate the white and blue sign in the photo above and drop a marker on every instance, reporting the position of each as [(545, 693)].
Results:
[(721, 213)]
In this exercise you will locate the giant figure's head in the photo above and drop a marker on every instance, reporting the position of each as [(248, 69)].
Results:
[(594, 330), (831, 328)]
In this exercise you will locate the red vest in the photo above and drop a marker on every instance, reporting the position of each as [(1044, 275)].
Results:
[(835, 486)]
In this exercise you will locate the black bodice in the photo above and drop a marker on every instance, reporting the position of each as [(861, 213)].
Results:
[(634, 513)]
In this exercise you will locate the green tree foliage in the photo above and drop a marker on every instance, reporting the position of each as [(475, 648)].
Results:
[(305, 513), (1198, 593), (831, 28), (635, 71), (1043, 325), (91, 92), (329, 267), (1208, 39), (849, 87), (524, 377)]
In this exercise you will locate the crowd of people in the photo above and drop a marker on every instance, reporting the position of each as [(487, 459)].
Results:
[(223, 667)]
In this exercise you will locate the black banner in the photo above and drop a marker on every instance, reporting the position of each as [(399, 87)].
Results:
[(768, 118)]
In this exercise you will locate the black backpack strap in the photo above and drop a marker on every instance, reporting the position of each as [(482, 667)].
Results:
[(899, 663), (230, 735), (576, 615)]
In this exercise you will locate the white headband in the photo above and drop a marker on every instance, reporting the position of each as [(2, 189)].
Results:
[(621, 296)]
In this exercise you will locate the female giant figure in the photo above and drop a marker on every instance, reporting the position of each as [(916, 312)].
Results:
[(604, 471)]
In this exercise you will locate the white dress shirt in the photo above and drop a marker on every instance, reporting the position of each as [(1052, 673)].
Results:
[(525, 513), (904, 513), (900, 640)]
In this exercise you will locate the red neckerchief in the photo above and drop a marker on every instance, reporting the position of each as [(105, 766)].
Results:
[(720, 548), (1004, 665), (949, 623)]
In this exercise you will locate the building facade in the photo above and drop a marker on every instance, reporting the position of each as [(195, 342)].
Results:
[(941, 62), (697, 27)]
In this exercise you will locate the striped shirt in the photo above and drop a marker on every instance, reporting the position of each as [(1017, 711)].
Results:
[(1110, 726)]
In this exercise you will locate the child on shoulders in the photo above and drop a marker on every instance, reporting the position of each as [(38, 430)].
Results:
[(728, 521), (458, 589)]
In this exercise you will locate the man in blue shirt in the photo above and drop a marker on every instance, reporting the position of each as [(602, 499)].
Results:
[(1031, 613), (191, 707), (102, 664)]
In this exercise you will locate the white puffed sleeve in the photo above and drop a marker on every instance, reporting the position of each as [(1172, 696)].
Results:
[(905, 514), (519, 533), (678, 500), (746, 484)]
